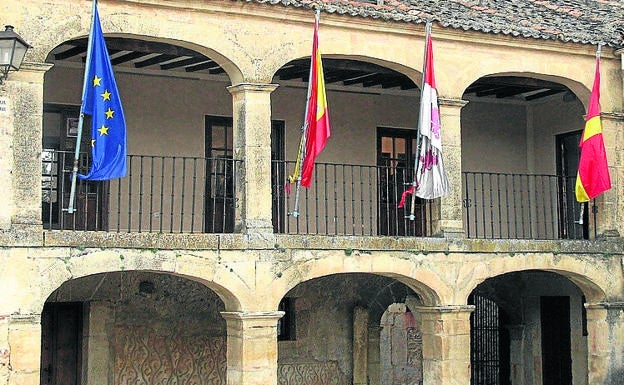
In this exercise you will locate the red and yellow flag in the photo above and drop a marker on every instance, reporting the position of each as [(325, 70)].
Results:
[(317, 117), (593, 177)]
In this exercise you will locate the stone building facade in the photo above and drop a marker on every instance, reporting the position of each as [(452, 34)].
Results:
[(191, 269)]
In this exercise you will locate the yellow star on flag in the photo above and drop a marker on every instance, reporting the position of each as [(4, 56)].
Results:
[(106, 95), (103, 130), (92, 142), (96, 81), (109, 113)]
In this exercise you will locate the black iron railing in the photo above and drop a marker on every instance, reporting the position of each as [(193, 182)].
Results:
[(197, 195), (522, 206), (346, 199), (159, 194)]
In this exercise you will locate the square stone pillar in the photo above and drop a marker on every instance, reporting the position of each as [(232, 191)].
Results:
[(252, 144), (609, 204), (252, 347), (449, 221), (97, 359), (24, 341), (21, 122), (360, 346), (605, 345), (446, 344)]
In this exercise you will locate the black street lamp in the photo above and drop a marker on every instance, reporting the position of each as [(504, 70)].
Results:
[(12, 51)]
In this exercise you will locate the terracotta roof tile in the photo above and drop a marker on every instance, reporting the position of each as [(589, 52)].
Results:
[(581, 21)]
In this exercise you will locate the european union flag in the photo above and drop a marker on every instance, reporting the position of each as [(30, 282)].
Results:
[(100, 99)]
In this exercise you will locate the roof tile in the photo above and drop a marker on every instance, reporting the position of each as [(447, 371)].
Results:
[(582, 21)]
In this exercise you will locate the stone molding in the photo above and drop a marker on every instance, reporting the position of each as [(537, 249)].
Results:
[(445, 309), (252, 315)]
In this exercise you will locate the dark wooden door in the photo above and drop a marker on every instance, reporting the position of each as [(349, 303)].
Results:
[(556, 345), (396, 149), (570, 226), (278, 176), (61, 344), (220, 195)]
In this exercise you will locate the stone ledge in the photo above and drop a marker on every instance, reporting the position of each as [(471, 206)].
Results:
[(164, 241)]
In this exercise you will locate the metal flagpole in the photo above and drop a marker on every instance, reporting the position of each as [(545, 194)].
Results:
[(72, 194), (304, 127), (580, 221), (420, 115)]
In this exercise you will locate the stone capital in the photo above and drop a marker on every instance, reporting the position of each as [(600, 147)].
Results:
[(445, 309), (246, 316), (252, 87), (605, 305), (449, 102)]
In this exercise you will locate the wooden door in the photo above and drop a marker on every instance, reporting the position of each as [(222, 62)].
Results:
[(61, 344), (568, 154), (396, 149)]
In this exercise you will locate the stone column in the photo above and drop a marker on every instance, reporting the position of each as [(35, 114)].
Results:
[(605, 328), (608, 205), (21, 121), (252, 144), (360, 346), (449, 221), (252, 347), (516, 353), (96, 344), (446, 344), (24, 344)]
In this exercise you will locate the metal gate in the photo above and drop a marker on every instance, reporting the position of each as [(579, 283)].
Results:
[(489, 344)]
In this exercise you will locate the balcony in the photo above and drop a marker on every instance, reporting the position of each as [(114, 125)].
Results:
[(522, 206), (197, 195), (159, 195)]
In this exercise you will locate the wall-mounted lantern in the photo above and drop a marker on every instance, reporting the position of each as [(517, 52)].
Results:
[(12, 51)]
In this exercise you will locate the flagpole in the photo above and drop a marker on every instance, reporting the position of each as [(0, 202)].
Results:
[(304, 128), (580, 221), (72, 194), (420, 115)]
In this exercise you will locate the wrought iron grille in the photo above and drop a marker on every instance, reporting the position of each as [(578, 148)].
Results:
[(159, 194), (522, 206), (346, 199), (488, 344)]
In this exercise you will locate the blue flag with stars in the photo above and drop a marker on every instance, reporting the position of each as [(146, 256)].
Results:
[(100, 99)]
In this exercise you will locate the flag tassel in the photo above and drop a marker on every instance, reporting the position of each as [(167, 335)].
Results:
[(580, 221)]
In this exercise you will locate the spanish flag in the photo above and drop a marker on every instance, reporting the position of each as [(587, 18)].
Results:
[(317, 118), (593, 171)]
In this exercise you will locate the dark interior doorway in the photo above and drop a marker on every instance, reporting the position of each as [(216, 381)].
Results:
[(556, 344), (396, 149), (61, 343), (568, 155)]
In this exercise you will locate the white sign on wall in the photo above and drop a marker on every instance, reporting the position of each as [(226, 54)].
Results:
[(4, 106)]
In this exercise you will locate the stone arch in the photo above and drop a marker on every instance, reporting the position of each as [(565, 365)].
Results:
[(125, 323), (527, 313), (592, 279), (336, 320), (61, 270), (412, 74), (431, 288), (229, 66), (580, 90)]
